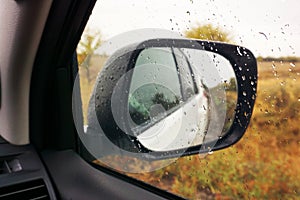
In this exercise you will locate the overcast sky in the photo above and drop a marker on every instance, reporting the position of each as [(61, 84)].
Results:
[(266, 27)]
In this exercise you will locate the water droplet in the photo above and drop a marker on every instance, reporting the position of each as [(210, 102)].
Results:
[(244, 93), (292, 65), (263, 35), (244, 78), (239, 51)]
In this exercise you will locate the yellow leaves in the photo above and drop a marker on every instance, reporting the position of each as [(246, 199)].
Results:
[(81, 58), (208, 32)]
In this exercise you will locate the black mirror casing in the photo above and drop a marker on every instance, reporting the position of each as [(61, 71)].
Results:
[(245, 69)]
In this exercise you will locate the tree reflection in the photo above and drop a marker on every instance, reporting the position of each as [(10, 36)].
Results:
[(140, 106)]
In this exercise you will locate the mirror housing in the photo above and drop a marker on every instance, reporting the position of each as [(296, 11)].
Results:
[(112, 84)]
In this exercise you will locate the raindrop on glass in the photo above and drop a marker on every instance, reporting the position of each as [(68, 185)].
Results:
[(292, 65), (239, 51)]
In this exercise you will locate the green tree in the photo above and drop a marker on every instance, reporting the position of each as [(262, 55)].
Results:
[(209, 32), (90, 41), (232, 85)]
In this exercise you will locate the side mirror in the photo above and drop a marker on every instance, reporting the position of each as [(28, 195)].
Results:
[(171, 97)]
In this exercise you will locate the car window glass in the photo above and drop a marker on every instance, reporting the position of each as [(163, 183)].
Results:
[(270, 29), (186, 74)]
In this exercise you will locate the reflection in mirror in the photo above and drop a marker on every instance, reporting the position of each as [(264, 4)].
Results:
[(181, 97)]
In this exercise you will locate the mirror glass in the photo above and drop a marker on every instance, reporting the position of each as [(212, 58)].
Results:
[(181, 97)]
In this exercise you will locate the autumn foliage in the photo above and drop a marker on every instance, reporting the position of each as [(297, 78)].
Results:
[(264, 164)]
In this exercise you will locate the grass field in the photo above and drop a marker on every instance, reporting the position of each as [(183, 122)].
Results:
[(263, 165)]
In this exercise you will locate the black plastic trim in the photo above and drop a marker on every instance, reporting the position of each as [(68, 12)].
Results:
[(32, 167), (63, 29), (76, 179)]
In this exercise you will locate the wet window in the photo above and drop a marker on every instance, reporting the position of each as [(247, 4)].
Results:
[(264, 164)]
